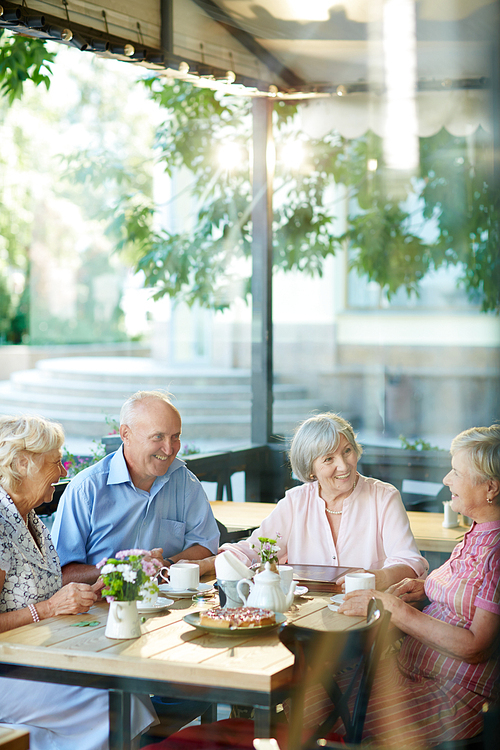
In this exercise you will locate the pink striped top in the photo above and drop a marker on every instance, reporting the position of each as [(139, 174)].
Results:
[(469, 579)]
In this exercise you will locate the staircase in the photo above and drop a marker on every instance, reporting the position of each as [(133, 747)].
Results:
[(82, 392)]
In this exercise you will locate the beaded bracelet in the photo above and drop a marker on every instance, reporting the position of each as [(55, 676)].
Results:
[(34, 613)]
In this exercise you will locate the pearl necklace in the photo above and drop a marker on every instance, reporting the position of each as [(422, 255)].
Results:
[(339, 512)]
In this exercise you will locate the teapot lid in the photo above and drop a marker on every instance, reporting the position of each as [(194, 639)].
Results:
[(267, 575)]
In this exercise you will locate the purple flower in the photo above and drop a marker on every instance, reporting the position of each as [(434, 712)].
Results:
[(110, 599), (102, 562), (127, 552), (149, 568)]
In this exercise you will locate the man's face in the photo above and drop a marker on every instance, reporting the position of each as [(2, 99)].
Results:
[(152, 440)]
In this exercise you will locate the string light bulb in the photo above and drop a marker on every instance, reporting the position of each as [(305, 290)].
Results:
[(183, 68), (341, 90), (230, 76)]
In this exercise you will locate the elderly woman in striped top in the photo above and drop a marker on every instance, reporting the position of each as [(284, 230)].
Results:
[(446, 670)]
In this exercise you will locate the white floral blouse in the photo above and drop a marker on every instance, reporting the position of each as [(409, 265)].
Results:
[(33, 573)]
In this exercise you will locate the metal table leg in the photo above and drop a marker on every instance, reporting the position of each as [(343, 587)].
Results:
[(119, 720)]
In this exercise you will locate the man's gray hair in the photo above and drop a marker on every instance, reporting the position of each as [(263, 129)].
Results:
[(317, 437), (25, 435), (483, 447), (127, 412)]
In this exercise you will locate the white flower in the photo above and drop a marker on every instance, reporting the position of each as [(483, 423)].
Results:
[(129, 574), (107, 569)]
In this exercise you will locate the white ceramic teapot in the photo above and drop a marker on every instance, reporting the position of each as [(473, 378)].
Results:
[(266, 592)]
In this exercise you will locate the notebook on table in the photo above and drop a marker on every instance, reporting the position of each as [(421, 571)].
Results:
[(318, 577)]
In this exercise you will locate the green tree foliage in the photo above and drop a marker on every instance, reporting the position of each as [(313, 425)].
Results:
[(396, 232), (22, 59)]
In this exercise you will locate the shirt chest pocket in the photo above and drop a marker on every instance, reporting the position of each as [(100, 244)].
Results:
[(172, 536)]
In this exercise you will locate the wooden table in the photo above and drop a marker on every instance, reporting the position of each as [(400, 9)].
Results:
[(14, 739), (426, 527), (170, 658)]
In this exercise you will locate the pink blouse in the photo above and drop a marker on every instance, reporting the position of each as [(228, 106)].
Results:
[(374, 530)]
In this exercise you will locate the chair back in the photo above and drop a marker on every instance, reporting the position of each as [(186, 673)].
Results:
[(319, 657)]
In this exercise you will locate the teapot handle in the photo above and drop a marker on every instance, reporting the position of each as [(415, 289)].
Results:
[(242, 596)]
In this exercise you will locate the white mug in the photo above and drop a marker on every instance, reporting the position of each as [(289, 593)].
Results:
[(184, 576), (356, 581), (149, 598), (286, 577)]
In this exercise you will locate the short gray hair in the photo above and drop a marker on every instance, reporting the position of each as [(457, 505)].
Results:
[(316, 437), (127, 412), (483, 447), (27, 435)]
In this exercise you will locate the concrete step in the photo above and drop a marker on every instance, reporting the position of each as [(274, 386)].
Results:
[(38, 381), (140, 372), (85, 394)]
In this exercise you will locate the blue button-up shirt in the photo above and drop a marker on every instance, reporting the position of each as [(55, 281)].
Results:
[(102, 512)]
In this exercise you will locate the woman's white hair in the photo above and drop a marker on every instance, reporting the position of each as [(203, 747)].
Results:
[(316, 437), (127, 412), (25, 436), (483, 447)]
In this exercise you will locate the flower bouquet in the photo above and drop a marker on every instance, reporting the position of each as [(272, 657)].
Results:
[(128, 576), (268, 551)]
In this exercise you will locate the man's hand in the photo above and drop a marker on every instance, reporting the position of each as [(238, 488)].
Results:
[(207, 565)]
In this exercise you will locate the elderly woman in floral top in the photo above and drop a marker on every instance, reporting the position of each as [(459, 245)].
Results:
[(62, 717), (446, 671)]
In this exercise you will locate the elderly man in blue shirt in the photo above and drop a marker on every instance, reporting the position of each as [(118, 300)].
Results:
[(141, 496)]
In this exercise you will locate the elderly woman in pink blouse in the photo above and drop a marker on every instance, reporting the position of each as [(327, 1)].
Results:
[(337, 516), (446, 673)]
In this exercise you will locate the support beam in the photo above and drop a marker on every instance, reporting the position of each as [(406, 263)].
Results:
[(262, 254), (167, 27)]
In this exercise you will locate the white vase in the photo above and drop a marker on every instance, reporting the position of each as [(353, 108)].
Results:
[(123, 621)]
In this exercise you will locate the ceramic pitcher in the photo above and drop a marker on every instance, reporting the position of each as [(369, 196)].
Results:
[(265, 591), (123, 621)]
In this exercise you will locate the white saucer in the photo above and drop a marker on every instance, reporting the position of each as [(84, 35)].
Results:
[(202, 588), (337, 599), (301, 590), (158, 607)]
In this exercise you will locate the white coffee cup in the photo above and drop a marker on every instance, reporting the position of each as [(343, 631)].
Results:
[(149, 598), (184, 576), (286, 576), (356, 581)]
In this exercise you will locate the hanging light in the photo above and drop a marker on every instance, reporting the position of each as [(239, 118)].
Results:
[(55, 32), (35, 22), (183, 68), (273, 90), (341, 90), (79, 42), (100, 45), (125, 49), (11, 16), (230, 76)]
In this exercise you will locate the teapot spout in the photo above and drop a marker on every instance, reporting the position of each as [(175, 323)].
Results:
[(291, 594)]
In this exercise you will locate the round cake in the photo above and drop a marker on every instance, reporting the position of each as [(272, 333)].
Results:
[(239, 617)]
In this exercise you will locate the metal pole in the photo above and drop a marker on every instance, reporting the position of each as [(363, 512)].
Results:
[(167, 27), (262, 331)]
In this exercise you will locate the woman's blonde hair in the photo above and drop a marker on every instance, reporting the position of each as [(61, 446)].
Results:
[(483, 447), (29, 436), (316, 437)]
